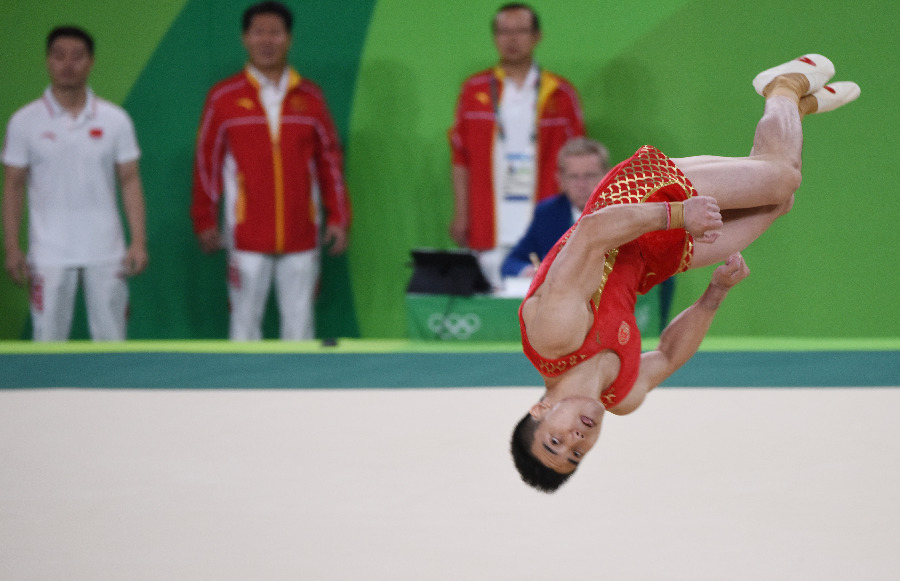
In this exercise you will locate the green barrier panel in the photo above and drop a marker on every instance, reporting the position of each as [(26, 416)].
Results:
[(456, 318), (167, 370), (490, 318)]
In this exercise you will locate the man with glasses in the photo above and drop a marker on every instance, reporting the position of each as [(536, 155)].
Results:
[(511, 120)]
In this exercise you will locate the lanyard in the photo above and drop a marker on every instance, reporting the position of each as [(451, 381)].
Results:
[(495, 103)]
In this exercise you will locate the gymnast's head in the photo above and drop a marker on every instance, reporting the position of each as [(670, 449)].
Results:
[(550, 442)]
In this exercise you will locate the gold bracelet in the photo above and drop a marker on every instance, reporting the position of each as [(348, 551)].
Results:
[(677, 215)]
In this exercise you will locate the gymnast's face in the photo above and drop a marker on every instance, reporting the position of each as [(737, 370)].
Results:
[(567, 431)]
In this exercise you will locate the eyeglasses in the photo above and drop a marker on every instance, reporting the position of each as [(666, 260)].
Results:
[(513, 31), (591, 177)]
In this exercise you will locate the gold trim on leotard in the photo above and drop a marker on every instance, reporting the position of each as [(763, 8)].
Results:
[(607, 269)]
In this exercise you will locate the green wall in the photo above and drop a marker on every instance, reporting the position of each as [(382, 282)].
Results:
[(675, 74)]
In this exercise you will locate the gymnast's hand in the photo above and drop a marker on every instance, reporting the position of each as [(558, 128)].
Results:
[(702, 218), (732, 272)]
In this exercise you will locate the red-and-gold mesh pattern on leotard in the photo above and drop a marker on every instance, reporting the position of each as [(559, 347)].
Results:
[(634, 268)]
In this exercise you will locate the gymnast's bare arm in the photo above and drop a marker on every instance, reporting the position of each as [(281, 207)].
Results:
[(558, 315), (682, 337)]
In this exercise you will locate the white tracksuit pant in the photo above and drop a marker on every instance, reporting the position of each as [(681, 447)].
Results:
[(296, 281), (53, 290)]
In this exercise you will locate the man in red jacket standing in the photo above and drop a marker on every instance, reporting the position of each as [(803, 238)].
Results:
[(511, 120), (268, 144)]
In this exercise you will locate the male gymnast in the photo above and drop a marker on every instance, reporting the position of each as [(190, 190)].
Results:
[(649, 218)]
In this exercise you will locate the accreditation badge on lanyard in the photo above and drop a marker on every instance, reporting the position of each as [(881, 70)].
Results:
[(515, 196), (518, 142), (518, 180)]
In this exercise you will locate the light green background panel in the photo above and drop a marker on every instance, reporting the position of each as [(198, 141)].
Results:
[(125, 36), (673, 74), (829, 267), (415, 58)]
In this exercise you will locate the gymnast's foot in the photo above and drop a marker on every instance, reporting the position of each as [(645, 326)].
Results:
[(806, 75), (829, 97)]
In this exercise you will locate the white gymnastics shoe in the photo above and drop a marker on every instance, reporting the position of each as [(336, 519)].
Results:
[(815, 67), (832, 96)]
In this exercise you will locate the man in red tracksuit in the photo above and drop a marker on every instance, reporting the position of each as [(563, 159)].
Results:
[(510, 123), (268, 144)]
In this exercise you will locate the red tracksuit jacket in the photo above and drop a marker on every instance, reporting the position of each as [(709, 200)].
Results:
[(274, 210), (559, 118)]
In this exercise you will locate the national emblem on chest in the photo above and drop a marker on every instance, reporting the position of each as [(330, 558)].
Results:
[(296, 105), (84, 142)]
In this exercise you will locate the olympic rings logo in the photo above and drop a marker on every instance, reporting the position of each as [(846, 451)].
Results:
[(454, 325)]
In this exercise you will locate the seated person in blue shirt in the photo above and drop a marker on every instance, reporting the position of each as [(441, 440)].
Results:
[(580, 165)]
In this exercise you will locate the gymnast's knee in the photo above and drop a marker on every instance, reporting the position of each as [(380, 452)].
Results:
[(786, 206), (789, 179)]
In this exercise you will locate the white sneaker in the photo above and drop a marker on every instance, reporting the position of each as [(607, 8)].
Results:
[(834, 95), (817, 69)]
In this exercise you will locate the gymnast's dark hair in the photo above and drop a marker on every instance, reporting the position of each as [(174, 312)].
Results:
[(532, 471), (71, 32), (276, 8)]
